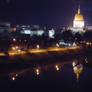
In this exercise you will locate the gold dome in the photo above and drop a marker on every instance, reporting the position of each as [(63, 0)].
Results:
[(79, 16)]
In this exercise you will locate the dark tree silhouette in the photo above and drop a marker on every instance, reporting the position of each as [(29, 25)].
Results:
[(78, 37), (67, 36), (88, 36)]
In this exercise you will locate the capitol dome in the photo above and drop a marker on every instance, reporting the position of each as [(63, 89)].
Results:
[(78, 20), (79, 16)]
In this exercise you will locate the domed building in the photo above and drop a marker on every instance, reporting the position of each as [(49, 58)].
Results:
[(78, 20)]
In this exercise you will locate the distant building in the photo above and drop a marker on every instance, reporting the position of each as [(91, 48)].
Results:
[(5, 30), (29, 30), (5, 24), (32, 32), (51, 33), (78, 23), (88, 28)]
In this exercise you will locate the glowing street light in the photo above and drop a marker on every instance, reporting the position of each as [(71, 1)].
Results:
[(57, 45), (14, 40), (13, 78), (37, 71), (57, 67), (16, 75), (19, 50), (13, 48), (38, 47), (17, 47)]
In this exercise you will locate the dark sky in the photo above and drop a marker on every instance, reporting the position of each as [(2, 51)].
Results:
[(44, 12)]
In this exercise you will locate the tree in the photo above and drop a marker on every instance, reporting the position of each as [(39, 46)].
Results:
[(88, 36), (67, 36), (78, 37)]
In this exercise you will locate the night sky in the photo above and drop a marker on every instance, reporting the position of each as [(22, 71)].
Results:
[(44, 12)]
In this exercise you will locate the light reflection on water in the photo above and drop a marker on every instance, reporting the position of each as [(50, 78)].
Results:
[(75, 65), (74, 73)]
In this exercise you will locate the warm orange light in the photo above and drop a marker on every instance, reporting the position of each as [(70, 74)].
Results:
[(13, 29), (57, 45), (57, 67), (37, 71), (15, 47), (38, 51), (88, 43), (2, 54), (38, 46)]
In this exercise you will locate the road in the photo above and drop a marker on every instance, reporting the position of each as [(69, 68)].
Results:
[(38, 51)]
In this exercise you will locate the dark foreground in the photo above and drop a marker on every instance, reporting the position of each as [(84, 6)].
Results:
[(55, 74)]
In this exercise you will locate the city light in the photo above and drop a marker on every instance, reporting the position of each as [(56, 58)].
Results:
[(86, 60), (14, 40), (44, 47), (13, 78), (16, 75), (37, 72), (38, 51), (17, 47), (88, 43), (57, 45), (19, 50), (13, 48), (38, 46), (57, 67), (2, 54)]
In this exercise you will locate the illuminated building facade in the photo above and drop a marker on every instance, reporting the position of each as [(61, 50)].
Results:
[(78, 23), (30, 30), (78, 20), (33, 32), (51, 33)]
